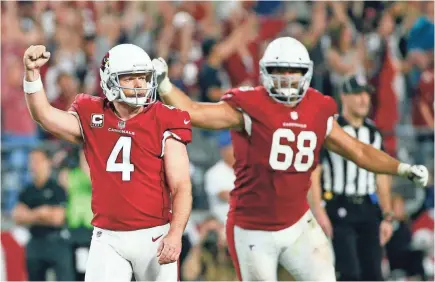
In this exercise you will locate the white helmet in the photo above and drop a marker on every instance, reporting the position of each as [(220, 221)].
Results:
[(127, 59), (286, 52)]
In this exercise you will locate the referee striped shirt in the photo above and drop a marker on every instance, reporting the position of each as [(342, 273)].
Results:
[(341, 176)]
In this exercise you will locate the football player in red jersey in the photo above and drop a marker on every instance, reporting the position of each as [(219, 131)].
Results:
[(278, 130), (135, 148)]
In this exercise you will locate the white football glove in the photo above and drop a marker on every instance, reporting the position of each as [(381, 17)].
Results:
[(416, 173), (161, 68)]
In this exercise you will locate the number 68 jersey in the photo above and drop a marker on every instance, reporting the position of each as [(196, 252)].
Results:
[(275, 155), (129, 189)]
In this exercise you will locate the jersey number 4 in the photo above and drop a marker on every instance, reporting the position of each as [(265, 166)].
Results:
[(124, 144), (306, 144)]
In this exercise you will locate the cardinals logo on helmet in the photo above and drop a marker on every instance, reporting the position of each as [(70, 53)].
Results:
[(105, 62)]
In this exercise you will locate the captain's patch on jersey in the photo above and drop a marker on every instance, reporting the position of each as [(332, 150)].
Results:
[(97, 120)]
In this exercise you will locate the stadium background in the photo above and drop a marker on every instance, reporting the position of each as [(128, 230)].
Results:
[(211, 47)]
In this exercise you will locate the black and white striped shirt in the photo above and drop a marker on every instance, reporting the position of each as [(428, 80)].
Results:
[(341, 176)]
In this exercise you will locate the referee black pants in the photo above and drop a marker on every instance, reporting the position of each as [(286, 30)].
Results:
[(358, 254)]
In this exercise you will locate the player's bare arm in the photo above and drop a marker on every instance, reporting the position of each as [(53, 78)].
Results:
[(371, 159), (315, 201), (383, 184), (314, 194), (178, 177), (60, 123), (205, 115)]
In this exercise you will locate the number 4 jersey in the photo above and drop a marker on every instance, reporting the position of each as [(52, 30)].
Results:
[(129, 189), (275, 155)]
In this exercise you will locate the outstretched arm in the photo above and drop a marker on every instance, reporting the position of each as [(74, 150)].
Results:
[(60, 123), (371, 159), (205, 115)]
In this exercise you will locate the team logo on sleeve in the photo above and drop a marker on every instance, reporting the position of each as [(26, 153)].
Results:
[(97, 120)]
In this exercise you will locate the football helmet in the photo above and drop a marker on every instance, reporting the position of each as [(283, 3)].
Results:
[(289, 53), (127, 59)]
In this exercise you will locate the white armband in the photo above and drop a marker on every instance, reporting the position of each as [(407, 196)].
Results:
[(33, 86)]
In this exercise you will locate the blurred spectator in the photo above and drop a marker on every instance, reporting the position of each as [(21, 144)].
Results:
[(404, 261), (210, 78), (314, 39), (42, 207), (421, 41), (68, 89), (382, 62), (345, 56), (175, 67), (219, 179), (189, 239), (108, 34), (210, 47), (242, 66), (268, 8), (423, 114), (19, 131), (88, 73), (208, 260), (77, 183)]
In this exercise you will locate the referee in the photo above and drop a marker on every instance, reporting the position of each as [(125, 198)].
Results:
[(345, 197)]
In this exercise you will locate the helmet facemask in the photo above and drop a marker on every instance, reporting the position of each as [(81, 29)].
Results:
[(286, 88), (141, 97)]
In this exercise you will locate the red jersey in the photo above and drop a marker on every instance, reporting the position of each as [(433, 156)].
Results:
[(275, 156), (129, 189)]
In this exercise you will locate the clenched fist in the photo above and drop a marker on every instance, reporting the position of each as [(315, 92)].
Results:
[(35, 57)]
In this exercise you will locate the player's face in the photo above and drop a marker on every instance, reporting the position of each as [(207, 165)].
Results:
[(139, 80), (358, 104), (292, 77)]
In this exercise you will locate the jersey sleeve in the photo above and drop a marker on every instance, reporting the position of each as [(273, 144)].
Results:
[(78, 107), (330, 106), (331, 112), (175, 124), (232, 99), (235, 97)]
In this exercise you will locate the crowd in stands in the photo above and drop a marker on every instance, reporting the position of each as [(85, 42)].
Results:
[(211, 47)]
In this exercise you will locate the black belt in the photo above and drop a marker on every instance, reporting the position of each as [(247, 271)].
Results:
[(354, 199)]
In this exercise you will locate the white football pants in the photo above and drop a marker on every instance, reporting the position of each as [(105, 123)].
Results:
[(116, 255), (302, 249)]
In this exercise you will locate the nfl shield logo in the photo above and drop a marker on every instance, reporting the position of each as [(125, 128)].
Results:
[(121, 124), (294, 115)]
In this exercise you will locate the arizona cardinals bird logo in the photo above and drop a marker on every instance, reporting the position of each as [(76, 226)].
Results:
[(105, 62)]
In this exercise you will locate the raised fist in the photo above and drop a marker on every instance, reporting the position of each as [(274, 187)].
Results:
[(35, 57)]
